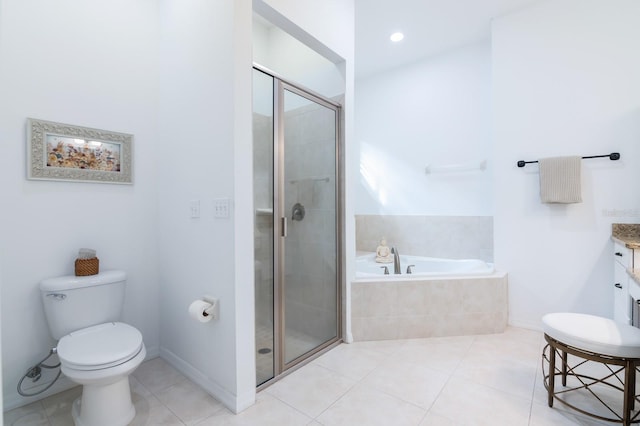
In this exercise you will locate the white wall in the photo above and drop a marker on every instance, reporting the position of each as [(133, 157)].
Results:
[(331, 24), (198, 255), (1, 276), (1, 388), (89, 64), (565, 79), (205, 132), (245, 335), (177, 75), (435, 112), (281, 53)]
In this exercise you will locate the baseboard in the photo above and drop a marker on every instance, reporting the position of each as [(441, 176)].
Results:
[(348, 337), (235, 403), (152, 352), (16, 400)]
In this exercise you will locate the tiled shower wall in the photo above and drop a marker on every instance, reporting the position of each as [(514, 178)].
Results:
[(311, 260), (450, 237), (310, 244), (263, 224)]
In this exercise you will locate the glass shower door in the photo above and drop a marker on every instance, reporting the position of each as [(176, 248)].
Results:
[(308, 153), (296, 228), (263, 180)]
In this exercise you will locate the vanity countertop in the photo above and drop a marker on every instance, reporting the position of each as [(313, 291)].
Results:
[(627, 234)]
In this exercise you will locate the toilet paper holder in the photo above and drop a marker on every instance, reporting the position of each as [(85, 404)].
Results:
[(213, 309)]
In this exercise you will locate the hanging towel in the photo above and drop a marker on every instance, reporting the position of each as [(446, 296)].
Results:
[(560, 179)]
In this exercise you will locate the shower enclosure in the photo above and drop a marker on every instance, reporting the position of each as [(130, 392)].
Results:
[(296, 228)]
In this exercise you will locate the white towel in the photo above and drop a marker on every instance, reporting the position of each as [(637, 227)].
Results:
[(560, 179)]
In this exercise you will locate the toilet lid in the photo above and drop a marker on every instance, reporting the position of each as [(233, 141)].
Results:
[(100, 346)]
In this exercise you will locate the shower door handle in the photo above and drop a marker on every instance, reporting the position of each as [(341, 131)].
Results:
[(283, 227)]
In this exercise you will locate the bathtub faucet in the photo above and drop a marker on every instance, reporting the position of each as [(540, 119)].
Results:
[(396, 261)]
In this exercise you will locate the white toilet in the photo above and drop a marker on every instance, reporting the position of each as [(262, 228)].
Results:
[(95, 350)]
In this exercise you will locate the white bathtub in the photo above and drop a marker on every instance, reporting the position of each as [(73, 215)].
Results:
[(368, 268)]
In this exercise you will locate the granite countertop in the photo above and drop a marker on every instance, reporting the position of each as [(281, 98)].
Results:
[(627, 234)]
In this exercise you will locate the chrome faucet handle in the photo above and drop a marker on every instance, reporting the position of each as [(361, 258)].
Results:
[(409, 271), (386, 270), (396, 261)]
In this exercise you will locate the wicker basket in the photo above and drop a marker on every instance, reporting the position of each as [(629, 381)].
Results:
[(87, 266)]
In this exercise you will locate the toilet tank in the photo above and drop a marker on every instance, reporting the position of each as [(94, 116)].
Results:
[(71, 302)]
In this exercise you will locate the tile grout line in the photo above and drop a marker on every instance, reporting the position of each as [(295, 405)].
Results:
[(356, 382), (450, 374), (385, 355), (539, 371)]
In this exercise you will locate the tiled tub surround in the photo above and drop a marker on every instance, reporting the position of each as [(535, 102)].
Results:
[(410, 308), (449, 237)]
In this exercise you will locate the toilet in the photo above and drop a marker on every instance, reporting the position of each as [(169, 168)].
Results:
[(94, 348)]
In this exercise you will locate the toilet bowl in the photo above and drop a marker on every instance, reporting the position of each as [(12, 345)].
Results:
[(100, 358), (94, 348)]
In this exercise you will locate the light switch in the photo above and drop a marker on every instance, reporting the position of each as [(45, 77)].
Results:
[(194, 206), (221, 208)]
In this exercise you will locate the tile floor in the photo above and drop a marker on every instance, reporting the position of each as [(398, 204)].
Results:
[(455, 381)]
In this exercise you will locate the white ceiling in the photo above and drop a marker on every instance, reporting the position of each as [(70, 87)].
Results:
[(430, 27)]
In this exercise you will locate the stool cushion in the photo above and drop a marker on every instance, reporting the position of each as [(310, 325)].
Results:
[(594, 334)]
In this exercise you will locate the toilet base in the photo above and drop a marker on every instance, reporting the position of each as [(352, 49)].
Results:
[(107, 405)]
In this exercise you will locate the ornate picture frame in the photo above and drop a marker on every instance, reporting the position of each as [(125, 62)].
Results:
[(58, 151)]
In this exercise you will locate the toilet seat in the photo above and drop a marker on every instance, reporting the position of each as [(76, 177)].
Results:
[(100, 346)]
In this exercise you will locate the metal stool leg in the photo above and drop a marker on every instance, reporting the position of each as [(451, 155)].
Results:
[(552, 374), (632, 384), (564, 368), (622, 379), (629, 391)]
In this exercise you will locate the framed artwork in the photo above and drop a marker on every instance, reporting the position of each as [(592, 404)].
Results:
[(57, 151)]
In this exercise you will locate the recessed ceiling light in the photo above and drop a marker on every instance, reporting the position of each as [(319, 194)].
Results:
[(395, 37)]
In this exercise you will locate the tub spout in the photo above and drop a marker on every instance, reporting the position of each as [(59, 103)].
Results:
[(396, 261)]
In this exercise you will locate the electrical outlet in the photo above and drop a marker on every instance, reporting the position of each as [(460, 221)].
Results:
[(221, 208)]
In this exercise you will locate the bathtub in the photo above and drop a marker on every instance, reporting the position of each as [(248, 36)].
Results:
[(368, 268), (442, 297)]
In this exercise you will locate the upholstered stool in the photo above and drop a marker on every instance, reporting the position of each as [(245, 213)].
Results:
[(592, 338)]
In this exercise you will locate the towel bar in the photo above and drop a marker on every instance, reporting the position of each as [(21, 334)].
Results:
[(613, 156)]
